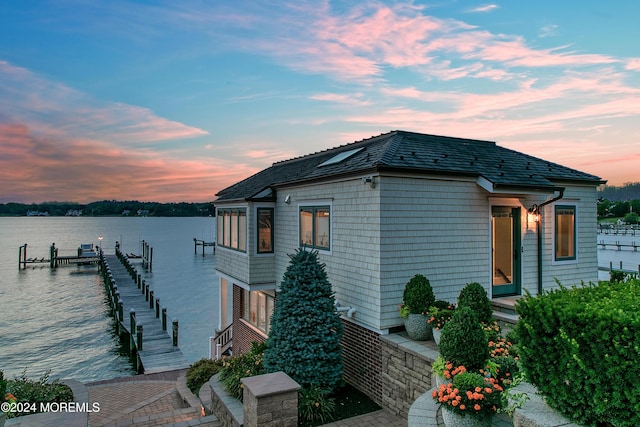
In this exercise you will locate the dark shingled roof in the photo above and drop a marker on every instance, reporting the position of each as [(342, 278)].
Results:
[(416, 153)]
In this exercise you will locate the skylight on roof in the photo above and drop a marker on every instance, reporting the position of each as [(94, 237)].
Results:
[(340, 157)]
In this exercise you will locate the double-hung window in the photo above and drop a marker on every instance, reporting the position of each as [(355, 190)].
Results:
[(232, 228), (565, 233), (315, 227)]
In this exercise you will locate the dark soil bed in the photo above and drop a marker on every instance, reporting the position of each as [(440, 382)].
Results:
[(350, 402)]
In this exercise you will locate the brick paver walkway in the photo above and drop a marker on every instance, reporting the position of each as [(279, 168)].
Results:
[(144, 401), (381, 418)]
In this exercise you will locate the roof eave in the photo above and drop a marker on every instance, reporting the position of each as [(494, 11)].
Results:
[(497, 188)]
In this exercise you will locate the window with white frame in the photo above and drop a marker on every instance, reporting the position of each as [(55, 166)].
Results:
[(315, 227), (232, 228), (565, 233), (257, 307)]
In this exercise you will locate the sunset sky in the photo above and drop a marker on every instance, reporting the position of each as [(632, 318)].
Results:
[(175, 100)]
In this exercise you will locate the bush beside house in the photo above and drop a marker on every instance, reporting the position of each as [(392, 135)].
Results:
[(304, 340), (579, 347)]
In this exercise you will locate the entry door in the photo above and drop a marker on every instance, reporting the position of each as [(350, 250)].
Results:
[(505, 248)]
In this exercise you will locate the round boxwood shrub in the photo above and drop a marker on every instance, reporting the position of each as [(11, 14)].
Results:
[(418, 295), (475, 297), (463, 341)]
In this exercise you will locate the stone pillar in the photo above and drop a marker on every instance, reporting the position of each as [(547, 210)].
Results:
[(270, 400)]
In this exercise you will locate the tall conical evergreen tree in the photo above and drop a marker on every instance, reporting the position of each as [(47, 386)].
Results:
[(304, 340)]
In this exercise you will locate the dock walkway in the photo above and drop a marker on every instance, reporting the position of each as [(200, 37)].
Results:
[(158, 353)]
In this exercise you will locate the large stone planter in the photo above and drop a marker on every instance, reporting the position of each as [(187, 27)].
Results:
[(436, 335), (417, 327), (452, 419)]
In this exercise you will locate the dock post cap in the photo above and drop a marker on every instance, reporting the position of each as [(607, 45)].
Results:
[(132, 310)]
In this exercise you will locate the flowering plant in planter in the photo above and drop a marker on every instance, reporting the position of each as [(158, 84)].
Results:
[(439, 315), (469, 394)]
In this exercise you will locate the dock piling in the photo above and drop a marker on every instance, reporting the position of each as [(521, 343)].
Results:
[(175, 332), (162, 349), (139, 336), (164, 318)]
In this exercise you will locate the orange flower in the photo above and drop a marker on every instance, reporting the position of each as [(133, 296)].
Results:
[(434, 394), (476, 407), (462, 407), (488, 390), (478, 389), (454, 403)]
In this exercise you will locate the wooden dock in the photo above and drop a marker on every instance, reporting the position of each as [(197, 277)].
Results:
[(198, 242), (141, 322), (54, 259)]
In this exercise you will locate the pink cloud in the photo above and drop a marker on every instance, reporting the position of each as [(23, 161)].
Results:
[(633, 64), (37, 169), (52, 108)]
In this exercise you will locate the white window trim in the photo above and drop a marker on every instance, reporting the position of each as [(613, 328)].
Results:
[(574, 204)]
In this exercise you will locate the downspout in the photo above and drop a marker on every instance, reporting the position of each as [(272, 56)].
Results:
[(536, 209)]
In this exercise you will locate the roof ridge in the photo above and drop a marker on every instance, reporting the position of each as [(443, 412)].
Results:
[(317, 153)]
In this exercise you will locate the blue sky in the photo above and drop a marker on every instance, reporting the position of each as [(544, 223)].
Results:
[(173, 101)]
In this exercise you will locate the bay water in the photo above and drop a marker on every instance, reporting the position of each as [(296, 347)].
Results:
[(57, 320)]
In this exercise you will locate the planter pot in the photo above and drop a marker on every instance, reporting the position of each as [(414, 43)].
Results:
[(440, 380), (451, 419), (436, 335), (417, 327)]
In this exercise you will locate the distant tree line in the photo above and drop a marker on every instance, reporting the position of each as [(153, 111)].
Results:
[(620, 202), (629, 191), (107, 208)]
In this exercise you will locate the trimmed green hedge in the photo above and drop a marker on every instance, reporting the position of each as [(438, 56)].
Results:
[(580, 347)]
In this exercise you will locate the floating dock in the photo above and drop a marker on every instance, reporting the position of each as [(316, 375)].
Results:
[(141, 322)]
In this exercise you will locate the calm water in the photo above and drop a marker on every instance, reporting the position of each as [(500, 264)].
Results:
[(630, 259), (58, 320)]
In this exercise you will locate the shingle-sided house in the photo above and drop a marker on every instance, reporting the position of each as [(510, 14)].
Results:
[(383, 209)]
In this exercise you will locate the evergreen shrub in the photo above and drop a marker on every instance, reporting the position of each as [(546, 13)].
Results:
[(580, 347), (37, 391), (304, 339), (418, 295), (463, 341), (237, 367), (475, 297), (200, 372)]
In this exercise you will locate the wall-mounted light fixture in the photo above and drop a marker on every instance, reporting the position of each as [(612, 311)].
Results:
[(369, 180), (287, 199), (533, 214)]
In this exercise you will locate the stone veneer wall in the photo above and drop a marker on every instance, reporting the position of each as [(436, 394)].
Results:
[(406, 371), (227, 408)]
